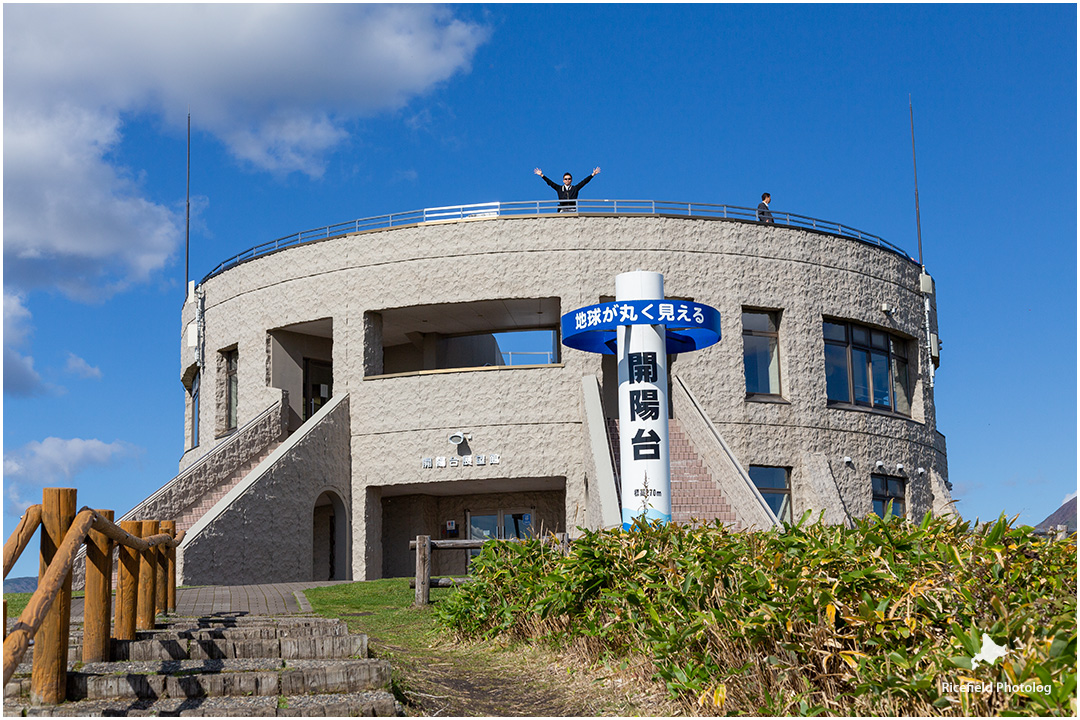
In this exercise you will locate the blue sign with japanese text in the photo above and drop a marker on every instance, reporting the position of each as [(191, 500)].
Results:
[(689, 325)]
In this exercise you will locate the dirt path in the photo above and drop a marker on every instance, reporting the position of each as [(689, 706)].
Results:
[(477, 681)]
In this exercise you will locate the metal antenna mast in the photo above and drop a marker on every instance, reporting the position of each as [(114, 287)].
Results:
[(918, 220), (187, 219)]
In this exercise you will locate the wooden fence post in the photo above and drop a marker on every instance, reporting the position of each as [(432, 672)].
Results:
[(98, 602), (423, 569), (144, 607), (161, 584), (127, 584), (48, 681), (169, 526)]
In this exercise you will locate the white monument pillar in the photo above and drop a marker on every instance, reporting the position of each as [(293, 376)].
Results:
[(643, 405)]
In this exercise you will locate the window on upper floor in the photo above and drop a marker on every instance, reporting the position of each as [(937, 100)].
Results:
[(887, 489), (761, 353), (867, 367), (774, 484), (195, 409), (230, 360)]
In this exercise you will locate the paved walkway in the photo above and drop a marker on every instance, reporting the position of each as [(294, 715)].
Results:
[(272, 599)]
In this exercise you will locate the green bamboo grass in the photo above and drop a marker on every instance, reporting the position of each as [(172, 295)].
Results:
[(881, 619)]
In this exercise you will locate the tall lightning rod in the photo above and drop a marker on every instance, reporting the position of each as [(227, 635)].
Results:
[(918, 220), (187, 218)]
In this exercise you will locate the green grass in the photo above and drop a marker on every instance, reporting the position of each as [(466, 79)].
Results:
[(389, 616), (17, 602), (434, 672)]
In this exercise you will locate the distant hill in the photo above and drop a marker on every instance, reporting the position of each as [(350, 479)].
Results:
[(1064, 515), (20, 585)]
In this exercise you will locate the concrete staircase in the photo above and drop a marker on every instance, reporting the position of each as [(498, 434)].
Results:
[(232, 665), (695, 496), (191, 514)]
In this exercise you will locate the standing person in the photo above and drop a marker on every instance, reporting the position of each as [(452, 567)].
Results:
[(763, 214), (568, 192)]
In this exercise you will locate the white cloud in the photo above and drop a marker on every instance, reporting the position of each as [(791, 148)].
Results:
[(261, 77), (55, 459), (1068, 497), (77, 366), (72, 221), (20, 378), (280, 85), (51, 462)]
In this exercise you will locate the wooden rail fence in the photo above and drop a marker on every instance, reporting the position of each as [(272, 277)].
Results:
[(146, 586), (424, 545)]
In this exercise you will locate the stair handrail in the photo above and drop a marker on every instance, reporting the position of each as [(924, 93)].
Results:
[(232, 438), (267, 462), (20, 538), (50, 685), (676, 380)]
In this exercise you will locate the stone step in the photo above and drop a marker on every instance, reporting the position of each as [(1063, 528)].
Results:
[(249, 630), (219, 678), (373, 703), (208, 648), (241, 618)]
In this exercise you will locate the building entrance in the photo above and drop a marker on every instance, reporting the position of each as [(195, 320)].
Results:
[(499, 525), (318, 385)]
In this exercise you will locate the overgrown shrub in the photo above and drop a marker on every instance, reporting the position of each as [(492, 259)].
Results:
[(886, 618)]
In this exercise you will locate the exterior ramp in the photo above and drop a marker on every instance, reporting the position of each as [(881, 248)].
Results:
[(749, 507), (286, 518)]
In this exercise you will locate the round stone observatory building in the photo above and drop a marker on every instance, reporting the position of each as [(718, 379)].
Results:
[(350, 389)]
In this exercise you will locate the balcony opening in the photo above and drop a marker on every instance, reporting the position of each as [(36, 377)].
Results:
[(482, 334), (300, 358)]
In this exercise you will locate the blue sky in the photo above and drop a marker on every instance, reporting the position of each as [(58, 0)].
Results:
[(307, 115)]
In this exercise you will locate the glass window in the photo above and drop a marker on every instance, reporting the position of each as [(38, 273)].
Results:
[(517, 525), (867, 367), (498, 524), (860, 376), (761, 352), (835, 331), (195, 410), (836, 373), (231, 386), (887, 490), (879, 372), (901, 386), (774, 484)]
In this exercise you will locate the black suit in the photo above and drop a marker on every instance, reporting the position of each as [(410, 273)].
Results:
[(763, 214), (569, 194)]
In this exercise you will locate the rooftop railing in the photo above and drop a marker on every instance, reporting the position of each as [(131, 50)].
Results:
[(533, 208)]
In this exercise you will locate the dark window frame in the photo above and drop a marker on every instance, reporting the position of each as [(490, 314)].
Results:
[(232, 388), (783, 492), (196, 397), (775, 317), (866, 343), (887, 495)]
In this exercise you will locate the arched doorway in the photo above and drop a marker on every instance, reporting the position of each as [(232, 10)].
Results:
[(329, 538)]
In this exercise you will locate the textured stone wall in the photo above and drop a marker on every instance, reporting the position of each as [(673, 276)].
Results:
[(602, 499), (204, 474), (262, 531), (532, 417)]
